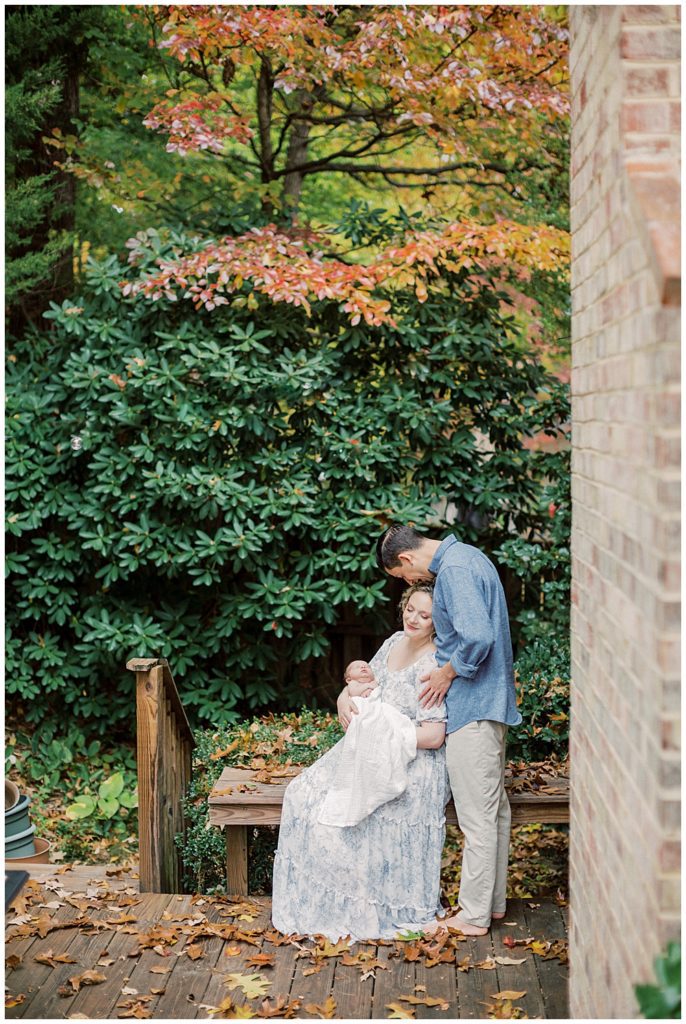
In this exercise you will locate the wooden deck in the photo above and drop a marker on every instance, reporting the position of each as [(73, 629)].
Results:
[(168, 957)]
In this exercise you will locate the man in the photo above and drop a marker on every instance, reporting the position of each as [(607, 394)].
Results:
[(474, 675)]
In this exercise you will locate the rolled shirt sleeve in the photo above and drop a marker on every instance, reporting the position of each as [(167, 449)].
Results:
[(466, 633)]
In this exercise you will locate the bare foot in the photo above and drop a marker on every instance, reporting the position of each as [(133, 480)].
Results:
[(457, 922), (498, 917)]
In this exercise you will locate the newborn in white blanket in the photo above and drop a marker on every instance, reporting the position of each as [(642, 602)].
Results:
[(377, 748)]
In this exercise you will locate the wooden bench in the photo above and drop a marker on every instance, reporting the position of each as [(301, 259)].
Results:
[(239, 801)]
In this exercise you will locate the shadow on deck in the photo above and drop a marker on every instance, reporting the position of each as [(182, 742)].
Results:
[(84, 943)]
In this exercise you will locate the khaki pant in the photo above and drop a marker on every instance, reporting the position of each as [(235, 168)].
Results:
[(475, 756)]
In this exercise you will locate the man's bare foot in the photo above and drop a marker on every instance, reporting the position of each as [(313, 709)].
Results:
[(457, 922)]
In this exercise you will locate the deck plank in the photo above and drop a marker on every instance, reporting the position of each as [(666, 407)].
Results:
[(474, 986), (547, 922), (388, 985), (522, 977), (312, 989), (100, 1000), (216, 989), (352, 995)]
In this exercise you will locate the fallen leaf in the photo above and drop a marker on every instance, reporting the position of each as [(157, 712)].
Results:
[(195, 951), (507, 960), (135, 1008), (511, 924), (486, 965), (399, 1012), (11, 1001), (325, 1012), (51, 959), (157, 991), (87, 978), (282, 1008), (126, 991), (314, 970), (412, 952), (160, 970), (253, 985), (233, 951), (508, 994), (425, 1000), (331, 949), (261, 960), (12, 961)]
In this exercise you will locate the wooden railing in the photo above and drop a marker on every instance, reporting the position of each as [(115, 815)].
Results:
[(164, 751)]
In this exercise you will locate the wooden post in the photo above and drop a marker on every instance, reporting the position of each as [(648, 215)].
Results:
[(237, 860), (164, 752)]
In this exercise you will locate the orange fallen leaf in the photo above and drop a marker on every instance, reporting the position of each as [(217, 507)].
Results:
[(508, 994), (232, 951), (87, 978), (425, 1000), (195, 951), (160, 970), (399, 1012), (11, 1001), (261, 960), (325, 1012)]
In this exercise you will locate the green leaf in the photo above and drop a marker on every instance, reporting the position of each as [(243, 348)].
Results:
[(108, 807), (82, 807), (111, 787)]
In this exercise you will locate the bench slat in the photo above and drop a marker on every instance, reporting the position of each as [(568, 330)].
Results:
[(261, 804)]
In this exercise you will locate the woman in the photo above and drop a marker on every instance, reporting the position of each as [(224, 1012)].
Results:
[(382, 875)]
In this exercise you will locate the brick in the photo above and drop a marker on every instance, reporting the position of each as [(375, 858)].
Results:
[(670, 856), (649, 116), (647, 81), (649, 14), (638, 43)]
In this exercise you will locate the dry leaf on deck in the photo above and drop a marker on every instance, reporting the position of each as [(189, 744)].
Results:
[(424, 1000), (11, 1001), (325, 1012), (261, 960), (486, 965), (253, 985), (331, 949), (508, 961), (508, 994), (12, 961), (160, 970), (195, 951), (399, 1012), (282, 1008), (314, 969), (87, 978), (233, 951)]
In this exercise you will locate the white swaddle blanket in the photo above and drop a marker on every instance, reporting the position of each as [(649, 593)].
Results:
[(377, 748)]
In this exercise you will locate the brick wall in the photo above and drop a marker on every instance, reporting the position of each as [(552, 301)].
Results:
[(624, 857)]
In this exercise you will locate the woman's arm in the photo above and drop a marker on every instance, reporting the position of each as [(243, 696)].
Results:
[(430, 735)]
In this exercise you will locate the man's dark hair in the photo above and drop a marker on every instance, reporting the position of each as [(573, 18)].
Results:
[(395, 539)]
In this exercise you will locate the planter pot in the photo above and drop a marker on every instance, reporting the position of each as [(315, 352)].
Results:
[(41, 856), (20, 844), (12, 795), (17, 820)]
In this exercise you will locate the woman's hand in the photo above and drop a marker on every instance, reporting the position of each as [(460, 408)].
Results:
[(346, 708)]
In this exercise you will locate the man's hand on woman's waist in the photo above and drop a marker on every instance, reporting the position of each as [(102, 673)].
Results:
[(437, 685)]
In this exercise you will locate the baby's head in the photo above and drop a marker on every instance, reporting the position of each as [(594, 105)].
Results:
[(359, 677)]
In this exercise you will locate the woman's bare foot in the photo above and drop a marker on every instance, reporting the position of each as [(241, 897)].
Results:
[(457, 922)]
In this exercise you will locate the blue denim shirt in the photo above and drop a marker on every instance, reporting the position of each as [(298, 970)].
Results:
[(473, 634)]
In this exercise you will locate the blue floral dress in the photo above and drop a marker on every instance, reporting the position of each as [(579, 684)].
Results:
[(379, 877)]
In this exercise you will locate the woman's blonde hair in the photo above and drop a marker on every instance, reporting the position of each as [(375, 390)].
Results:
[(416, 588)]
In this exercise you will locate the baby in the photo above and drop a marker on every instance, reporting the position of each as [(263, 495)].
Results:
[(360, 679)]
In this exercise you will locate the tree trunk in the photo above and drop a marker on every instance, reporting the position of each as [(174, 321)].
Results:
[(296, 158)]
